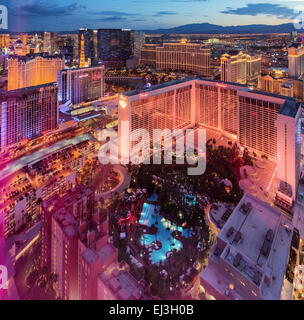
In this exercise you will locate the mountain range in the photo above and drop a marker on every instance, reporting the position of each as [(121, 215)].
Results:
[(207, 28)]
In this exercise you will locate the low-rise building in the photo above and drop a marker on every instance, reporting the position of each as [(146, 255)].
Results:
[(117, 283), (251, 254)]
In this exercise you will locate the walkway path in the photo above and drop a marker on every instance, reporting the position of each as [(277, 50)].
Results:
[(125, 180)]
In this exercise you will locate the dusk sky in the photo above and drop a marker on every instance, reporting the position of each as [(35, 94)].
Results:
[(60, 15)]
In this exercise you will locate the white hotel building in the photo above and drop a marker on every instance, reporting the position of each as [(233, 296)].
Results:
[(249, 260), (264, 123), (241, 68), (295, 62)]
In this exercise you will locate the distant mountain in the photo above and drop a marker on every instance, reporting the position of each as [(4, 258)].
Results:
[(207, 28)]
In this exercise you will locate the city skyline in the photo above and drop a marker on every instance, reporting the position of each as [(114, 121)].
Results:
[(151, 150), (33, 15)]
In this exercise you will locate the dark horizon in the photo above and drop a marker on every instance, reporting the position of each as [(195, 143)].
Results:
[(218, 29)]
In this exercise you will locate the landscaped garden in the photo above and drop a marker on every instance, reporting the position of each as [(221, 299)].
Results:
[(165, 237)]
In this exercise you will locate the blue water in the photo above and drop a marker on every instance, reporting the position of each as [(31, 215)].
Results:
[(153, 197), (148, 218), (191, 200)]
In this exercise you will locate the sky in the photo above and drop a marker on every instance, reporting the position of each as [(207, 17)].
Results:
[(68, 15)]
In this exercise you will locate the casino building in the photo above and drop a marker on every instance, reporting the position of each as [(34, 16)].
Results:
[(263, 123), (177, 56), (27, 113), (80, 85)]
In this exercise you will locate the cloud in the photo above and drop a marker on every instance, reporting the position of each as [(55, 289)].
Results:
[(47, 10), (112, 15), (115, 16), (115, 13), (165, 13), (269, 9), (110, 19)]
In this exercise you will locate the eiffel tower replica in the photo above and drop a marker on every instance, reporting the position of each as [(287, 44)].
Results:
[(82, 55)]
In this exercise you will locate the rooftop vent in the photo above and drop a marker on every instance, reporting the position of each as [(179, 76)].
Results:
[(267, 243), (266, 248), (230, 232), (217, 251), (237, 260), (269, 235), (256, 278), (237, 237), (246, 208)]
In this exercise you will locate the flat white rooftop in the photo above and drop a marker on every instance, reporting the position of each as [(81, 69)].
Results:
[(255, 243)]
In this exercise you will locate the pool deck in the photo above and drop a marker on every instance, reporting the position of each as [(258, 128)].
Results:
[(163, 235)]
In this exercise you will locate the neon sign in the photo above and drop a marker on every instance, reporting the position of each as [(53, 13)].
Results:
[(123, 103), (219, 85)]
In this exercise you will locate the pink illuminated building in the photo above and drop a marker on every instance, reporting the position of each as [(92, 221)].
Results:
[(264, 123), (95, 254), (64, 240), (75, 243)]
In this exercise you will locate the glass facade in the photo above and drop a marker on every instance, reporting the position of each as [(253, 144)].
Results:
[(81, 85), (115, 47)]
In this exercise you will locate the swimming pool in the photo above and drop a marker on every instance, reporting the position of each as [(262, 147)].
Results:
[(149, 216), (191, 200)]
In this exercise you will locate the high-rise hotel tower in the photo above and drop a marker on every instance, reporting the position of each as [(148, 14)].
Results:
[(241, 68), (264, 123), (81, 85), (27, 113), (295, 62), (179, 56)]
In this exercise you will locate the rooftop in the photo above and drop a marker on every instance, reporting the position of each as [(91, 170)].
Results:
[(83, 69), (158, 86), (90, 256), (28, 89), (122, 283), (66, 221), (290, 108), (255, 242), (41, 154), (106, 252), (184, 80)]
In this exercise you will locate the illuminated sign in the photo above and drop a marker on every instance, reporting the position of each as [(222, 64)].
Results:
[(219, 85), (123, 102)]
